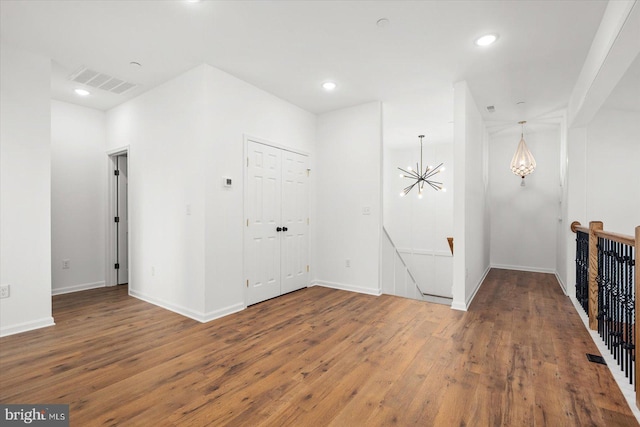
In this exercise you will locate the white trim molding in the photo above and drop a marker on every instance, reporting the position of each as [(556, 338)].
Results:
[(347, 287), (457, 305), (221, 312), (524, 268), (183, 311), (26, 326), (563, 286), (410, 251), (77, 288)]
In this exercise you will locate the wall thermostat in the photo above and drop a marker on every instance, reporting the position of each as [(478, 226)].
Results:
[(227, 181)]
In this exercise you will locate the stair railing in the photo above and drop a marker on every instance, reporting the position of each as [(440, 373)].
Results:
[(606, 278)]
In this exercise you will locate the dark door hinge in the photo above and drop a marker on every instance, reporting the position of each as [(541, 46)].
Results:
[(116, 172), (117, 266), (116, 219)]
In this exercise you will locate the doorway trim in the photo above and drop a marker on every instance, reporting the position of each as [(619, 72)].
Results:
[(111, 277)]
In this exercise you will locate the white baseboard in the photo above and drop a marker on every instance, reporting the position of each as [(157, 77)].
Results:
[(563, 286), (26, 326), (460, 306), (77, 288), (475, 290), (184, 311), (347, 287), (216, 314), (523, 268), (168, 306), (457, 305)]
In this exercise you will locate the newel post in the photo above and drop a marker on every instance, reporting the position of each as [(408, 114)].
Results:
[(593, 273)]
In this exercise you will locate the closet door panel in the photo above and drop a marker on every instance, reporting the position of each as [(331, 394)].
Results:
[(262, 240)]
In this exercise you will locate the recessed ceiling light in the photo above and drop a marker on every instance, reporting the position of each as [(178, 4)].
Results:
[(329, 86), (486, 40), (82, 92)]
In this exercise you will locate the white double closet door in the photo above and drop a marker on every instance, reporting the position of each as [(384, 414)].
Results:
[(277, 222)]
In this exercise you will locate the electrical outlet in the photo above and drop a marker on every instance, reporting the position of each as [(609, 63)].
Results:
[(347, 263), (4, 291), (66, 264)]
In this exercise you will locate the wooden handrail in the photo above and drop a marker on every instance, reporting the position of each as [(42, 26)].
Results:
[(625, 239), (616, 237), (576, 226)]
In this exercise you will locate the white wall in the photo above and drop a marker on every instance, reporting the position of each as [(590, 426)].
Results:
[(524, 219), (613, 171), (78, 212), (349, 175), (166, 134), (576, 201), (470, 209), (419, 227), (416, 223), (235, 108), (562, 231), (183, 137), (25, 190), (603, 182)]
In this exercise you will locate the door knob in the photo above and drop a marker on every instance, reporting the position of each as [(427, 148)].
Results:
[(279, 229), (284, 228)]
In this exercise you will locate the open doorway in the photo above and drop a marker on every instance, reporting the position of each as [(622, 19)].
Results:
[(118, 220)]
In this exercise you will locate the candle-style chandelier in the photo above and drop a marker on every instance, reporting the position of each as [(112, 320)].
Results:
[(421, 176)]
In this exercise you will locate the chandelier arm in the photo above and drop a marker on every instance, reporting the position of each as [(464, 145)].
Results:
[(434, 170), (409, 187), (410, 173), (435, 187)]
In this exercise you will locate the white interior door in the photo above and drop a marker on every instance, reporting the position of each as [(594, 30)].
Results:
[(295, 220), (262, 239)]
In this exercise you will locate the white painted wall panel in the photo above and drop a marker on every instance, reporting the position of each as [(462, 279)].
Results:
[(613, 170), (349, 179), (524, 219), (78, 196), (25, 190)]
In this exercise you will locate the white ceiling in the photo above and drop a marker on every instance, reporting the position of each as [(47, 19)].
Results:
[(288, 48)]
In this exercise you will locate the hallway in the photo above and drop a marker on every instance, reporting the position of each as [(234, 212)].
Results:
[(320, 356)]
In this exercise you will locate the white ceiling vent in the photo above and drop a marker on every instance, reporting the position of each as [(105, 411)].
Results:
[(102, 81)]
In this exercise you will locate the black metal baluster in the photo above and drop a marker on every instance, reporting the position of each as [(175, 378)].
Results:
[(614, 297), (582, 270), (632, 305)]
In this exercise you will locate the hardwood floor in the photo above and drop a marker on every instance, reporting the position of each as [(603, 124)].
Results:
[(320, 357)]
